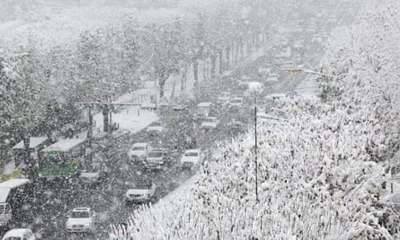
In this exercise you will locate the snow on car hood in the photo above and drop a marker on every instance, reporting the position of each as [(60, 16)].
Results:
[(79, 221)]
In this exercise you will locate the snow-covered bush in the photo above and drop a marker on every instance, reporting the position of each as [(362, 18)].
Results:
[(320, 174)]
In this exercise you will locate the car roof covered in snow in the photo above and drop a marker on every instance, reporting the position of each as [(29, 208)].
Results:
[(33, 142), (81, 209), (204, 104), (19, 232), (64, 145), (193, 151), (140, 144)]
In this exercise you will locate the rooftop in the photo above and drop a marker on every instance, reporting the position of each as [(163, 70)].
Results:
[(204, 104), (12, 183), (64, 145), (19, 232), (34, 142)]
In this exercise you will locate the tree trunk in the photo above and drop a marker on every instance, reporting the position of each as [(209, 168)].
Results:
[(237, 49), (105, 118), (228, 57), (162, 90), (205, 69), (221, 61), (196, 73), (213, 60), (241, 47), (248, 46), (183, 79), (257, 40)]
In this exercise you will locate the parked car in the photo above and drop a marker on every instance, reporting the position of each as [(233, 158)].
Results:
[(143, 192), (157, 159), (209, 123), (81, 219), (139, 151), (19, 234), (192, 158)]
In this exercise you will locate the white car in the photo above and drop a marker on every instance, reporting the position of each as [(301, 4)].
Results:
[(237, 102), (156, 159), (155, 127), (192, 158), (143, 192), (262, 71), (19, 234), (139, 151), (81, 219), (209, 123), (272, 78), (96, 173), (224, 98), (288, 65)]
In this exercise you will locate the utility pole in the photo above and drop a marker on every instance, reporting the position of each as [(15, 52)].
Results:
[(110, 108), (255, 144)]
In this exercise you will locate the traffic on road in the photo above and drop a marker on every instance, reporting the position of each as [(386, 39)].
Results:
[(134, 169)]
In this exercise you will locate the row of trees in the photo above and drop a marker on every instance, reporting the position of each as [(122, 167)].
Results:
[(111, 61), (321, 173)]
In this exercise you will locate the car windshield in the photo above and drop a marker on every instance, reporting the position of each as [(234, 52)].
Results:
[(93, 168), (13, 238), (209, 120), (191, 154), (237, 100), (156, 154), (155, 124), (143, 184), (80, 214), (138, 149)]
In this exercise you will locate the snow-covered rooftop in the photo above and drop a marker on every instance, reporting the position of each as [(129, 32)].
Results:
[(64, 145), (34, 142), (4, 194), (19, 232), (12, 183)]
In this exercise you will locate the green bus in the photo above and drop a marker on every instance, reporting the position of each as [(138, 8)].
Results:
[(64, 158)]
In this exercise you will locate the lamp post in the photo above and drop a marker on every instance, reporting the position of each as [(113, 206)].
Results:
[(255, 92), (255, 144)]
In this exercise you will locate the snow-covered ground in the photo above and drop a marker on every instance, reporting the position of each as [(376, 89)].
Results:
[(132, 118)]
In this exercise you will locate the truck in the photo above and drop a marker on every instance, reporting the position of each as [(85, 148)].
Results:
[(14, 195)]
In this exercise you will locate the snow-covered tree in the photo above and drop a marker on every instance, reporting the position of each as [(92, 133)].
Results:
[(321, 173)]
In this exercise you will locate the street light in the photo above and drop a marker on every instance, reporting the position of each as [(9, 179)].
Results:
[(256, 91)]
